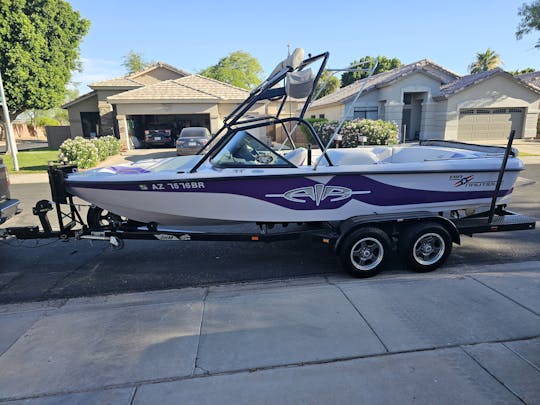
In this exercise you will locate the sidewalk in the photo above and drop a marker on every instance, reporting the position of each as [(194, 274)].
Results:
[(425, 338)]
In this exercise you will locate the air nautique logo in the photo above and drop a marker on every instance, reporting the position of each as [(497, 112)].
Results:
[(317, 193), (464, 180)]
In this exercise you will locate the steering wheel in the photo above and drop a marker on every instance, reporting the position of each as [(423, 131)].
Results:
[(244, 152)]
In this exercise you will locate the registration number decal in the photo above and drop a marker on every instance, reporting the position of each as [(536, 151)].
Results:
[(183, 185)]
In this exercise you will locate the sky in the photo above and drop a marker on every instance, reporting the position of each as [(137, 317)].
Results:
[(193, 35)]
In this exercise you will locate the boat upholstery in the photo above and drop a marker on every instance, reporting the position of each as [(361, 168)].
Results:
[(355, 156), (297, 156)]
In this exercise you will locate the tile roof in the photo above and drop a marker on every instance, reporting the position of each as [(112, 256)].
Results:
[(172, 68), (193, 87), (131, 79), (79, 99), (467, 81), (426, 66), (531, 78), (117, 82)]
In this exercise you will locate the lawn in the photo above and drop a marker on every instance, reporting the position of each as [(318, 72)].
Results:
[(32, 161)]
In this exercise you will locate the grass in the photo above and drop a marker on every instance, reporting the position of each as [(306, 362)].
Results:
[(31, 161)]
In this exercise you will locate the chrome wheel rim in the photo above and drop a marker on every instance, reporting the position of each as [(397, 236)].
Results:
[(429, 248), (367, 254)]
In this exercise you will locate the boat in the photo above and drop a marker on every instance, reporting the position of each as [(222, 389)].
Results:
[(237, 177)]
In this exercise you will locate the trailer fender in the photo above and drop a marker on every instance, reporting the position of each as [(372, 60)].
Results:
[(388, 222)]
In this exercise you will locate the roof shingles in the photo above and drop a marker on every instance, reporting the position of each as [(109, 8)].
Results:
[(193, 87)]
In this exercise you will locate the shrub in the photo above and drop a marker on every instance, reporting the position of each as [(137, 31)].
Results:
[(107, 146), (378, 132), (79, 151), (47, 121), (87, 153), (305, 130)]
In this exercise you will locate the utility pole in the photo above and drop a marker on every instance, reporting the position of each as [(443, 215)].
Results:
[(11, 144)]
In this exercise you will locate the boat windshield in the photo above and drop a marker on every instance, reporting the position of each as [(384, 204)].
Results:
[(244, 150)]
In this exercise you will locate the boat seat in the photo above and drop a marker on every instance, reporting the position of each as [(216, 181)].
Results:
[(297, 156), (356, 156)]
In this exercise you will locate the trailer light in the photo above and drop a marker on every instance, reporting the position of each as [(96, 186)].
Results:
[(254, 238)]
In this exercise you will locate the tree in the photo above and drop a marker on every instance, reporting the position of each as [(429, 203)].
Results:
[(53, 116), (384, 64), (39, 49), (327, 85), (134, 62), (521, 71), (530, 20), (238, 68), (485, 61)]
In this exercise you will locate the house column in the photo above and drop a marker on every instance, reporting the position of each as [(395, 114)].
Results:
[(106, 118), (123, 131)]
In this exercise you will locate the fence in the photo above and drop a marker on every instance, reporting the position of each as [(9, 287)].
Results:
[(57, 135)]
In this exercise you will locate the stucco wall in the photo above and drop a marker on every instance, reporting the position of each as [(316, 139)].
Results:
[(496, 92), (332, 112), (415, 83), (433, 114), (74, 112)]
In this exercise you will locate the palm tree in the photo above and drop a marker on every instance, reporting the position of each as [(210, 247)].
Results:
[(485, 61)]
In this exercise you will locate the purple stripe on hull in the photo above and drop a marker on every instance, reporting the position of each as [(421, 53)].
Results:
[(300, 193)]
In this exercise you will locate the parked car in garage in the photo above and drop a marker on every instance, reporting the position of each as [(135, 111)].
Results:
[(191, 140), (158, 137), (8, 206)]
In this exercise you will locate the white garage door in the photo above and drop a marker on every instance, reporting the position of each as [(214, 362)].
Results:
[(489, 123)]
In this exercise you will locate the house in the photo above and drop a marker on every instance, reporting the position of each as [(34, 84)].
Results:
[(428, 101), (160, 96)]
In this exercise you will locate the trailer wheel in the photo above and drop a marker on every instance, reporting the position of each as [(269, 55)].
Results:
[(98, 218), (364, 251), (425, 247)]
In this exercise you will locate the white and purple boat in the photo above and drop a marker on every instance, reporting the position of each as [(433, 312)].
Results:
[(237, 177)]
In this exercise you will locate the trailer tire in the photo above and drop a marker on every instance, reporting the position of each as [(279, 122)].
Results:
[(425, 246), (98, 218), (364, 251)]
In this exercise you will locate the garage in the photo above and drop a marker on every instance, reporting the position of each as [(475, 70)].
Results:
[(490, 123), (138, 124)]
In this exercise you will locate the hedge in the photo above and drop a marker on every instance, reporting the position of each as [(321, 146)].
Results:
[(87, 153), (378, 132)]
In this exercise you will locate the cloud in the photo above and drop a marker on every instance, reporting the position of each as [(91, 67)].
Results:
[(95, 70)]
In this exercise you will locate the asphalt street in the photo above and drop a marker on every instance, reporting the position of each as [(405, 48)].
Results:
[(37, 270)]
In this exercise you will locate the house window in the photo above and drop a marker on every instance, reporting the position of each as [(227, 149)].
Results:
[(321, 115), (370, 113), (313, 116)]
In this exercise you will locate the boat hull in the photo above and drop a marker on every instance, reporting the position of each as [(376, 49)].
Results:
[(304, 197)]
